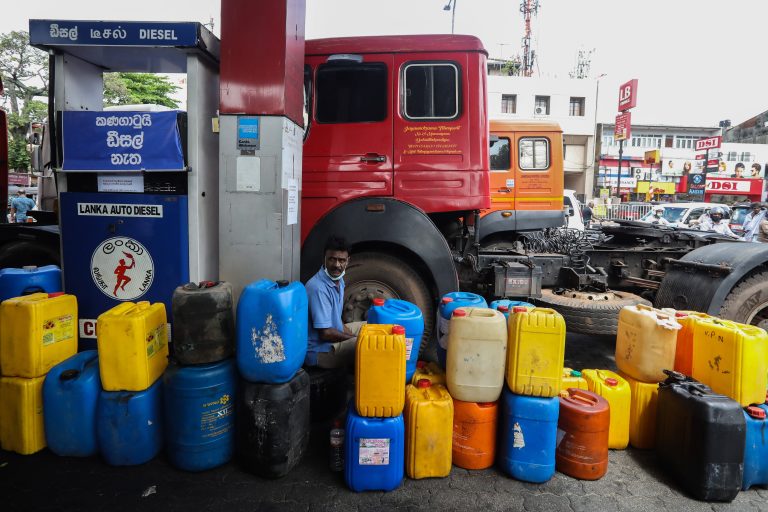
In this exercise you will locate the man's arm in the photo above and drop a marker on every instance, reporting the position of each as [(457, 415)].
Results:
[(332, 335), (320, 316)]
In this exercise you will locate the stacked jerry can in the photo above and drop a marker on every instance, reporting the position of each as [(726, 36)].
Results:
[(37, 332), (15, 282), (530, 406), (617, 392), (273, 414), (374, 443), (133, 354), (448, 304), (200, 383), (400, 312), (646, 345)]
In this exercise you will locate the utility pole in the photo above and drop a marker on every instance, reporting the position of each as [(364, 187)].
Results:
[(451, 6)]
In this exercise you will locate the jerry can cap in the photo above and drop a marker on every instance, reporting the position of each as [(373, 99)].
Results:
[(611, 381), (378, 301), (755, 412), (575, 373), (425, 383), (519, 309), (459, 312), (398, 329), (55, 294), (446, 300), (421, 364), (502, 308), (207, 284), (29, 268), (282, 283), (73, 374), (680, 314), (486, 404)]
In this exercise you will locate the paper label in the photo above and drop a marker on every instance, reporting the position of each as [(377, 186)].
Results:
[(517, 435), (214, 420), (408, 348), (292, 210), (248, 174), (374, 452), (156, 340), (58, 329)]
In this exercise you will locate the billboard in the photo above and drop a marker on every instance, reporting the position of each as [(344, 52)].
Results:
[(628, 95), (623, 128)]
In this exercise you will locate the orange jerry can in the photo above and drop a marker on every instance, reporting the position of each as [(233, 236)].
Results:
[(642, 412), (684, 350), (582, 434), (474, 434)]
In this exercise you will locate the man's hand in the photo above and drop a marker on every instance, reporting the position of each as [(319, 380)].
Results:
[(332, 335)]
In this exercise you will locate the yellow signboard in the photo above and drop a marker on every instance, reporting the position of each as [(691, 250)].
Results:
[(657, 187), (652, 157)]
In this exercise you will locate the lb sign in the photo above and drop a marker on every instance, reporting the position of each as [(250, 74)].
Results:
[(121, 141), (628, 95)]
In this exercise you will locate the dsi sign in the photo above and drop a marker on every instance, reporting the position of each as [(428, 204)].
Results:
[(121, 141)]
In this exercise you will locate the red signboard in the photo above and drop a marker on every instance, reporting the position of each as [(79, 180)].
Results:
[(623, 128), (15, 178), (708, 143), (628, 95), (734, 186)]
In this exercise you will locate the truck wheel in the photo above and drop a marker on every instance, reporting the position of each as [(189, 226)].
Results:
[(22, 253), (372, 275), (747, 303), (589, 313)]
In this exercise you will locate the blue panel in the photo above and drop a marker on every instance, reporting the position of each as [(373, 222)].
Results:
[(121, 141), (113, 33), (122, 247)]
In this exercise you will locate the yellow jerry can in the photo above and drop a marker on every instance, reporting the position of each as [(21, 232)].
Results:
[(642, 413), (535, 351), (21, 415), (37, 332), (573, 379), (731, 358), (430, 371), (428, 430), (380, 371), (133, 346), (615, 389)]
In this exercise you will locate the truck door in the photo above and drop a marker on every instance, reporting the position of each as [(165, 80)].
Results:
[(348, 147), (538, 164), (502, 173)]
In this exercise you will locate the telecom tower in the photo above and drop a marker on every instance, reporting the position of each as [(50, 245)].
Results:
[(583, 63), (528, 8)]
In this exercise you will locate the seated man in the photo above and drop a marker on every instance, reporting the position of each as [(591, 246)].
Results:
[(331, 344)]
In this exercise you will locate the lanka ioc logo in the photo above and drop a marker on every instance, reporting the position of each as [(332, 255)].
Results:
[(122, 268)]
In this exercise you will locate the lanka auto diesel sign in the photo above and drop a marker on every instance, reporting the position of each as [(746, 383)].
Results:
[(122, 268)]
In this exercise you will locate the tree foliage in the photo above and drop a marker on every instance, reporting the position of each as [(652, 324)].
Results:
[(138, 88)]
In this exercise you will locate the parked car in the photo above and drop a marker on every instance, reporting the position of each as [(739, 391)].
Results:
[(683, 214)]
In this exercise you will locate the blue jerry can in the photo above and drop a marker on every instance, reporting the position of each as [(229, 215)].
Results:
[(374, 452), (400, 312), (15, 282), (756, 448)]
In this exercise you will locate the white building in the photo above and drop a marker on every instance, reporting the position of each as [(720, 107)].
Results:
[(570, 103)]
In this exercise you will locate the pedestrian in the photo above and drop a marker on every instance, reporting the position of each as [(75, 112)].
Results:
[(720, 223), (587, 212), (331, 343), (752, 222), (20, 205), (658, 216)]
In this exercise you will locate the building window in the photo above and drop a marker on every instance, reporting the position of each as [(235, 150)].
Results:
[(746, 157), (500, 156), (541, 107), (534, 154), (731, 156), (576, 107), (669, 141), (352, 92), (509, 103), (685, 142), (431, 91)]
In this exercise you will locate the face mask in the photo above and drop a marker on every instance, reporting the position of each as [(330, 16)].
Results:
[(334, 278)]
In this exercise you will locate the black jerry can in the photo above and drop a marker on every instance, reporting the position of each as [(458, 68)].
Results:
[(203, 323)]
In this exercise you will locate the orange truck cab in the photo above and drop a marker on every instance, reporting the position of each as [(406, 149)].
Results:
[(526, 179)]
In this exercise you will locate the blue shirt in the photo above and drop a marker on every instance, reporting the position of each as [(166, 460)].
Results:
[(325, 306), (22, 205)]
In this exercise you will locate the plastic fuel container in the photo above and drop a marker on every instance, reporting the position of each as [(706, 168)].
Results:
[(203, 322), (37, 332), (684, 350), (616, 390), (380, 370), (70, 396), (700, 438), (400, 312), (645, 342), (428, 430), (535, 351), (200, 414), (374, 451), (430, 371), (271, 331), (642, 413), (732, 359), (756, 447), (133, 346), (476, 354), (474, 434), (582, 435), (15, 282), (273, 425), (573, 379), (449, 303), (21, 415), (528, 436), (129, 425), (506, 305)]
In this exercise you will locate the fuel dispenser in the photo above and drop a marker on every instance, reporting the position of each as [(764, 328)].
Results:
[(137, 186)]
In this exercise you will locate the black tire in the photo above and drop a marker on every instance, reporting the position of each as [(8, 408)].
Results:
[(371, 275), (747, 302), (22, 253), (589, 316)]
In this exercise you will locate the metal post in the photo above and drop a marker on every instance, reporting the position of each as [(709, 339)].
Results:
[(453, 16), (618, 184)]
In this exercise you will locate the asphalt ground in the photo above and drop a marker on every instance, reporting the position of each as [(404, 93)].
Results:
[(45, 482)]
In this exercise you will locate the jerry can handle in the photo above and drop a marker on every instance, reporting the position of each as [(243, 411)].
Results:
[(581, 397), (32, 289), (644, 307)]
